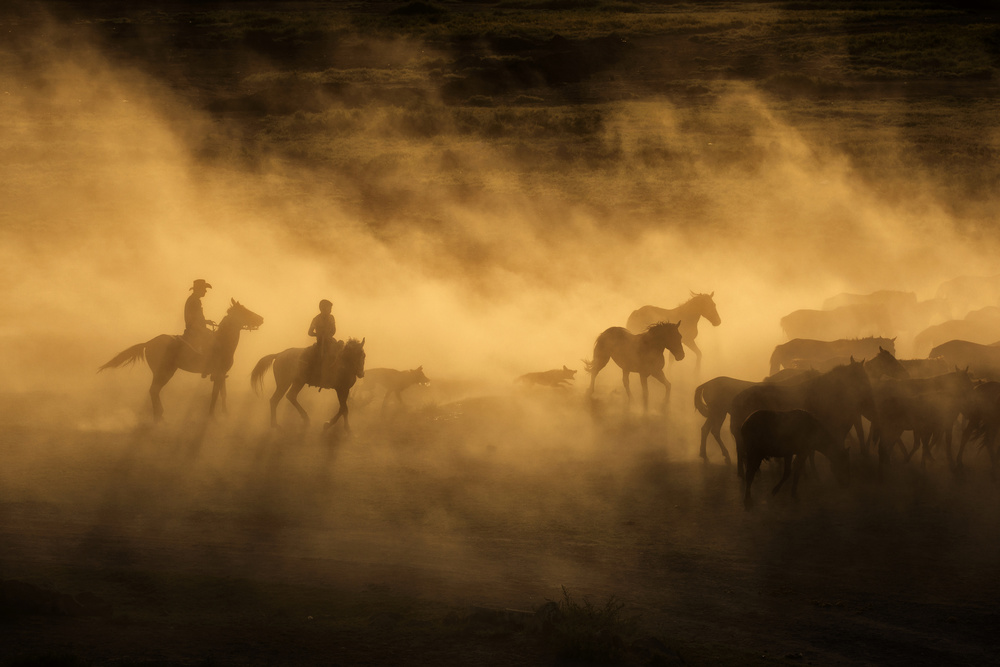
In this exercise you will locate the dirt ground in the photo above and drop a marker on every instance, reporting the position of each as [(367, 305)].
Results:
[(437, 533)]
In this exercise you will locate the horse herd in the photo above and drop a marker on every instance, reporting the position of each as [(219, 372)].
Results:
[(817, 392)]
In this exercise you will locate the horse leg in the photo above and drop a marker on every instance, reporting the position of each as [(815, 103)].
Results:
[(658, 374), (342, 397), (966, 432), (293, 398), (717, 432), (628, 389), (784, 475), (279, 393), (753, 465), (798, 465), (601, 359), (341, 412), (160, 378), (218, 396), (706, 428), (740, 447), (690, 344), (644, 381), (218, 390)]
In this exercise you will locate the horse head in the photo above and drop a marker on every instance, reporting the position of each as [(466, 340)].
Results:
[(667, 336), (707, 308), (884, 363), (352, 357), (243, 317)]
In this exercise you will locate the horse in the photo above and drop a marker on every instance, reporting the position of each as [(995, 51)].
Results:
[(892, 300), (982, 413), (166, 354), (799, 349), (982, 360), (687, 314), (979, 326), (882, 364), (841, 322), (636, 353), (787, 435), (927, 406), (838, 398), (345, 366)]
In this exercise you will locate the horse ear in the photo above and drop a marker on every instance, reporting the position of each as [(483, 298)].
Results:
[(712, 294), (362, 342), (232, 301), (852, 358), (678, 324), (693, 293), (880, 349)]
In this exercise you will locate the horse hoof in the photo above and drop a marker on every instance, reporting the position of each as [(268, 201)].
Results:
[(327, 425)]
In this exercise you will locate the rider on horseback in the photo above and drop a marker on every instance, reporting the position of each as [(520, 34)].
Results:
[(322, 327), (196, 327)]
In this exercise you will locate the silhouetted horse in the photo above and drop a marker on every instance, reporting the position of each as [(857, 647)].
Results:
[(713, 399), (927, 406), (687, 315), (792, 434), (982, 360), (982, 413), (842, 322), (837, 398), (642, 354), (346, 365), (882, 364), (978, 326), (167, 354), (799, 349)]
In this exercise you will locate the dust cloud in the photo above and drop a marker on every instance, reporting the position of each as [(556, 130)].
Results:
[(478, 259)]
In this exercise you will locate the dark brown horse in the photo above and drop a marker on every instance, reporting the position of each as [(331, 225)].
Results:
[(167, 354), (788, 435), (837, 398), (346, 365), (687, 314), (636, 353)]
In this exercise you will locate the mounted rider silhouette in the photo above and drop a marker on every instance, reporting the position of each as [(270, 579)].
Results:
[(322, 328), (197, 334)]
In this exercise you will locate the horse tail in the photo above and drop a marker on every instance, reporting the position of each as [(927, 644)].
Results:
[(699, 402), (127, 358), (257, 375)]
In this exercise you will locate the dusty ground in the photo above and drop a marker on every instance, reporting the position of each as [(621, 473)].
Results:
[(226, 543)]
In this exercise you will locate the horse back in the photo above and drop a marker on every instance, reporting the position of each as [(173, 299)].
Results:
[(783, 433), (641, 318)]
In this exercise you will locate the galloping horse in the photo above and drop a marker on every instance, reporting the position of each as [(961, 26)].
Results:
[(290, 376), (165, 354), (688, 313), (642, 354)]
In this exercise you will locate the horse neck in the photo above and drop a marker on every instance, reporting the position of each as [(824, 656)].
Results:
[(228, 332), (689, 310)]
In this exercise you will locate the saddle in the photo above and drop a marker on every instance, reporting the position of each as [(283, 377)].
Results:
[(317, 372)]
